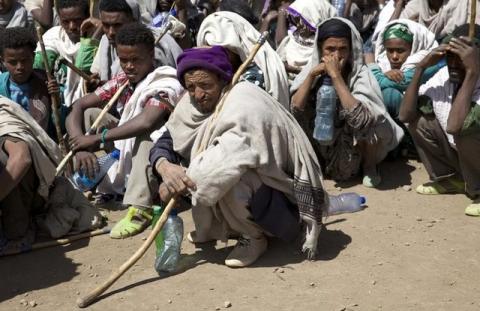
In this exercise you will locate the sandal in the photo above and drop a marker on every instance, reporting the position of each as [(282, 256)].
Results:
[(447, 186), (372, 181), (132, 224)]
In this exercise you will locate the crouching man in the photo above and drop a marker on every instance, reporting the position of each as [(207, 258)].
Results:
[(443, 117), (251, 169)]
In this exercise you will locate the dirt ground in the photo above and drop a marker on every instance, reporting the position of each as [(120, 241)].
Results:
[(404, 252)]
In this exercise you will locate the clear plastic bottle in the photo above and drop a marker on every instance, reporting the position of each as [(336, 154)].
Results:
[(169, 253), (340, 6), (349, 202), (84, 183), (326, 109)]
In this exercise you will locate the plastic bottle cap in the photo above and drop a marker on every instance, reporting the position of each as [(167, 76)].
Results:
[(115, 154), (173, 212), (363, 200), (157, 210)]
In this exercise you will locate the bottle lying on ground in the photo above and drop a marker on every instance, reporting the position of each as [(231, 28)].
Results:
[(84, 183), (345, 203)]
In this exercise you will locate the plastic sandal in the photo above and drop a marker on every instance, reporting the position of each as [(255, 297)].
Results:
[(473, 209), (449, 186), (372, 181), (132, 224)]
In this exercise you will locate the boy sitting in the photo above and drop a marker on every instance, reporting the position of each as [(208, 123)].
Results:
[(142, 108)]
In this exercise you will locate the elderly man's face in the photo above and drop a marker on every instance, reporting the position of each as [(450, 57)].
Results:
[(204, 88)]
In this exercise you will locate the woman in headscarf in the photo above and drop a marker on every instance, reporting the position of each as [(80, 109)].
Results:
[(233, 32), (401, 45), (364, 132), (297, 45)]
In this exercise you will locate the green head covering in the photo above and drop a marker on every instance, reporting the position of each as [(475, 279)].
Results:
[(398, 31)]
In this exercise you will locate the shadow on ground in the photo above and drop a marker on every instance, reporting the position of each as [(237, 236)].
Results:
[(50, 267)]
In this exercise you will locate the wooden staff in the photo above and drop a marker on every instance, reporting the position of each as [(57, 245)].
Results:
[(64, 241), (473, 17), (92, 296), (88, 299), (94, 126), (165, 28), (55, 98), (75, 69)]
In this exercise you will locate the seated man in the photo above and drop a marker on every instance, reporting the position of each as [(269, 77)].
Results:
[(251, 169), (363, 131), (21, 83), (443, 118), (28, 187), (113, 15), (63, 42), (141, 109), (13, 14)]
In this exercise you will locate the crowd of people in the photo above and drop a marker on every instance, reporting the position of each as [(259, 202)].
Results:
[(242, 154)]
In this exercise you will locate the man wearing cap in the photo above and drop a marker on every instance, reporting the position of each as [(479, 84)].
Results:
[(443, 116), (245, 161)]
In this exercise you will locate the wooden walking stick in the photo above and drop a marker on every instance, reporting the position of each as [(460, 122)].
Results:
[(473, 17), (64, 241), (165, 28), (92, 296), (94, 126), (55, 98), (75, 69)]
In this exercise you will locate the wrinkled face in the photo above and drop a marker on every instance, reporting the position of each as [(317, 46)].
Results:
[(398, 51), (456, 70), (136, 61), (111, 23), (204, 88), (71, 19), (19, 63), (339, 47), (164, 5), (5, 6)]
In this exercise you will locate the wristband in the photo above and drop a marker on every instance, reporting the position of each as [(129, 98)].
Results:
[(102, 138)]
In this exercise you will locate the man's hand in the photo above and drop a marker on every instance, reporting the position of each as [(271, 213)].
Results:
[(52, 87), (434, 57), (87, 163), (271, 16), (395, 75), (333, 66), (89, 26), (94, 81), (467, 52), (83, 142), (175, 180), (318, 70)]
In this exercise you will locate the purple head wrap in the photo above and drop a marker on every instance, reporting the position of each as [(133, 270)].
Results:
[(214, 59)]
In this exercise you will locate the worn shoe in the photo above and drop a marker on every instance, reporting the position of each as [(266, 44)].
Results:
[(246, 252), (132, 224), (372, 180), (473, 209), (447, 186)]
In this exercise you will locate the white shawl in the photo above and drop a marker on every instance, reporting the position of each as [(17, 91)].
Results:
[(232, 31), (452, 14), (313, 12), (162, 80), (17, 17), (423, 43), (57, 41)]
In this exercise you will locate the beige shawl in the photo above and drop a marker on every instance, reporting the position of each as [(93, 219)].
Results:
[(232, 31), (268, 141)]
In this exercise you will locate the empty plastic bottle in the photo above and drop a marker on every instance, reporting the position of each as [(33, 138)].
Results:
[(326, 109), (169, 253), (84, 183), (340, 6), (345, 203)]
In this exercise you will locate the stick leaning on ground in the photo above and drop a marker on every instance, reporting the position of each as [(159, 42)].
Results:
[(92, 296), (94, 126)]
